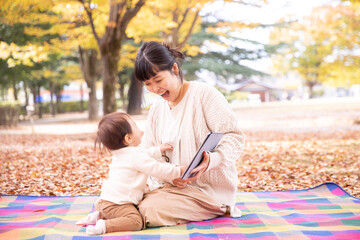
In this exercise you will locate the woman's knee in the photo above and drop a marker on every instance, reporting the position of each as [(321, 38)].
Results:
[(148, 208)]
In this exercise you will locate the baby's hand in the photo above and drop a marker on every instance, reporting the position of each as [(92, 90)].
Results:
[(165, 147)]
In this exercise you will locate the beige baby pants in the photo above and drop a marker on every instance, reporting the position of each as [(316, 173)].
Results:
[(119, 218)]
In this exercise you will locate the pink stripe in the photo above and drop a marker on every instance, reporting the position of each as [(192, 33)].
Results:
[(10, 211), (321, 237), (302, 201), (29, 225), (347, 236), (280, 205), (330, 222), (302, 219), (305, 207), (337, 192)]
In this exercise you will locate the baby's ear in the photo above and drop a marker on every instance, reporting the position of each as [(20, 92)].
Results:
[(127, 140)]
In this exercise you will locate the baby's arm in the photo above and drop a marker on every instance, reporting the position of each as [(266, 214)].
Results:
[(157, 152), (154, 168)]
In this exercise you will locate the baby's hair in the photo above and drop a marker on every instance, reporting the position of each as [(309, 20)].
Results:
[(154, 57), (112, 130)]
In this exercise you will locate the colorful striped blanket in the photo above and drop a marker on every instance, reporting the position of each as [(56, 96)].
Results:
[(323, 212)]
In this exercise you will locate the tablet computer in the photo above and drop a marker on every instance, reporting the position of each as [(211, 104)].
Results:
[(210, 142)]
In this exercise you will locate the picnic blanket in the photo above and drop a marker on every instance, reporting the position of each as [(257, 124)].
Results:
[(323, 212)]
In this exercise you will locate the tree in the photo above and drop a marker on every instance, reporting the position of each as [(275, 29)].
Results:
[(340, 36), (32, 30), (64, 21), (110, 43), (322, 47), (125, 75), (79, 36), (91, 71)]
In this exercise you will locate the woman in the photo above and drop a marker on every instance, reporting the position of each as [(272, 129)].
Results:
[(184, 116)]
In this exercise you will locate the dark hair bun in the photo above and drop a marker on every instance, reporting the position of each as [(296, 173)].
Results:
[(173, 51)]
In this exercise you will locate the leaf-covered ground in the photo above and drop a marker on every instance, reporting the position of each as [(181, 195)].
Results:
[(289, 145), (38, 164)]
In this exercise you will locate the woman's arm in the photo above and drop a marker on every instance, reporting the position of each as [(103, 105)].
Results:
[(219, 117)]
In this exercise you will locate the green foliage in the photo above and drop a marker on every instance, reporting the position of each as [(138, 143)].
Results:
[(61, 107), (34, 57), (9, 113), (224, 64), (14, 33), (9, 104), (73, 106)]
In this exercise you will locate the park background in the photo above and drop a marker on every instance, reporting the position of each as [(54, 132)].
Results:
[(289, 70)]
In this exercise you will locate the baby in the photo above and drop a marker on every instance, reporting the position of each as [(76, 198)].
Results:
[(130, 167)]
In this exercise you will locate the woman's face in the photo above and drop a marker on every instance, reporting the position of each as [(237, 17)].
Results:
[(165, 84)]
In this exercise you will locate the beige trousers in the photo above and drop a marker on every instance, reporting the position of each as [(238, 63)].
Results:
[(171, 205), (119, 218)]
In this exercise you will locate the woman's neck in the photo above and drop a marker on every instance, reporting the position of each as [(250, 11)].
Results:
[(183, 88)]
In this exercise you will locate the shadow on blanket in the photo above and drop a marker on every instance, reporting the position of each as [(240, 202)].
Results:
[(323, 212)]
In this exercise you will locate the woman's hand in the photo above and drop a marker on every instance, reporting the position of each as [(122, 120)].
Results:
[(179, 182), (199, 170)]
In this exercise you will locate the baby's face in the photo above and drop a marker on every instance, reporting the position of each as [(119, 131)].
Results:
[(136, 134)]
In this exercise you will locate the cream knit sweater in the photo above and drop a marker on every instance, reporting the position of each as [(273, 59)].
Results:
[(203, 109)]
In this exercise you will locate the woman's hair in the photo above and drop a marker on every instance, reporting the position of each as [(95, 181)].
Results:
[(154, 57), (111, 131)]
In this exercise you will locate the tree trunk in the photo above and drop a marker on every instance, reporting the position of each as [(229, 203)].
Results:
[(52, 105), (58, 99), (2, 94), (121, 13), (122, 96), (81, 98), (89, 66), (135, 96), (40, 102), (110, 60), (34, 94), (15, 89), (310, 85), (26, 93), (93, 105)]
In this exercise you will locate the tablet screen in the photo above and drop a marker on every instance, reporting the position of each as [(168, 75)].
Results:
[(209, 144)]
